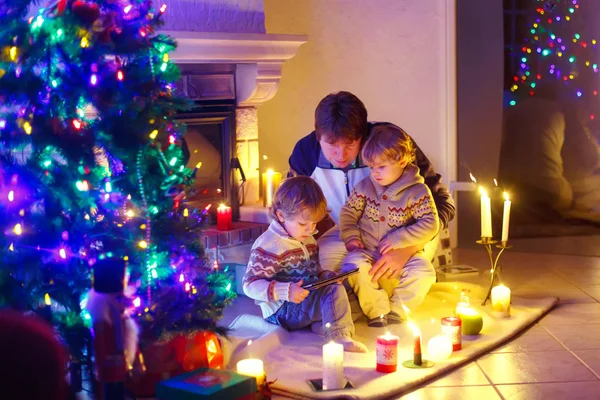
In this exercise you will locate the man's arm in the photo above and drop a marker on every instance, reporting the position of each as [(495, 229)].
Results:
[(441, 195), (305, 156)]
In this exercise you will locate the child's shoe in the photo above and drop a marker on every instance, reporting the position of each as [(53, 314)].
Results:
[(393, 318), (379, 322), (353, 346)]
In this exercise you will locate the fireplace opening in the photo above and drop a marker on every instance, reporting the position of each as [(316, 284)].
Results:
[(210, 146)]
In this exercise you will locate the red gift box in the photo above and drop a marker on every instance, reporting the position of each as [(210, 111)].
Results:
[(163, 360)]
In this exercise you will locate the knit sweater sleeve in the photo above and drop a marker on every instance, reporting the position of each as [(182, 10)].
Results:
[(426, 223), (351, 213), (259, 282)]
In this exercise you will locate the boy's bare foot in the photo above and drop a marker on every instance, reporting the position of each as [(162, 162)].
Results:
[(353, 346)]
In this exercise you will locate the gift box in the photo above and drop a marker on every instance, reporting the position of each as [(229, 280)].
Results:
[(207, 383), (163, 360)]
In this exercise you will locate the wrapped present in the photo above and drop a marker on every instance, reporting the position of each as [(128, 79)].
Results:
[(163, 360), (206, 383)]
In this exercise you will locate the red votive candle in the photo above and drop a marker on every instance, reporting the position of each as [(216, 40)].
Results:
[(387, 353), (224, 218), (452, 328)]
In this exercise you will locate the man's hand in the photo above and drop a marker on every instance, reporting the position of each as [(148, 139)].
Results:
[(391, 263), (297, 293), (354, 244)]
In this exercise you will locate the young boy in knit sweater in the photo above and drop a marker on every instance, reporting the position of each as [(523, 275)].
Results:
[(285, 257), (390, 209)]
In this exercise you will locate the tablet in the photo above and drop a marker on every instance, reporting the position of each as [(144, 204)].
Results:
[(329, 281)]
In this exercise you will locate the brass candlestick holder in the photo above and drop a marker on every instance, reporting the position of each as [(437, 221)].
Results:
[(488, 242)]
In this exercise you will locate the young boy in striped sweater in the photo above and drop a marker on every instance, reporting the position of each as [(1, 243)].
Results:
[(286, 256)]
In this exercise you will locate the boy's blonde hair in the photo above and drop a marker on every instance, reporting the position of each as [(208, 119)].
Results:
[(297, 194), (389, 143)]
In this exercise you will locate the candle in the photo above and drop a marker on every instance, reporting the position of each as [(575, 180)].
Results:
[(271, 182), (417, 356), (224, 218), (439, 348), (252, 367), (387, 353), (333, 366), (501, 301), (452, 328), (472, 322), (505, 218), (486, 214)]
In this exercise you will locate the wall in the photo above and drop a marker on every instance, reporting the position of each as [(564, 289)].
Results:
[(239, 16), (480, 66), (390, 53)]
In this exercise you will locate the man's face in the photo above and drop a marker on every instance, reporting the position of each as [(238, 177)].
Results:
[(341, 154)]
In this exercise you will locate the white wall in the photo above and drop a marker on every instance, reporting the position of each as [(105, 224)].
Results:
[(391, 53)]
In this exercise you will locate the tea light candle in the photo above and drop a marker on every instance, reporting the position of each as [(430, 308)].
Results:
[(271, 180), (439, 348), (501, 301), (387, 353), (452, 328), (252, 367), (224, 218), (333, 366)]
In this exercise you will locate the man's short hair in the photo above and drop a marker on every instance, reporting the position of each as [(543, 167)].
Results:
[(341, 116)]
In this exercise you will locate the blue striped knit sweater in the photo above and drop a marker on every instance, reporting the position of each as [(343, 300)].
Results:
[(277, 260)]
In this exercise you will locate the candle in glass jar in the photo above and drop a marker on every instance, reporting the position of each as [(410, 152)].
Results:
[(333, 366), (505, 218), (486, 214), (224, 218), (271, 180), (452, 328), (252, 367), (387, 353), (501, 301)]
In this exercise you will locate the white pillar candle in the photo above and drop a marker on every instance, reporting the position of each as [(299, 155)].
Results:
[(501, 301), (439, 348), (333, 366), (486, 214), (252, 367), (271, 180), (505, 218)]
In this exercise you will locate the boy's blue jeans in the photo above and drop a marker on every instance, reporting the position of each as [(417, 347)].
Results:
[(328, 304)]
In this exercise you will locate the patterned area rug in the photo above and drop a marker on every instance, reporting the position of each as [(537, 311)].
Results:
[(293, 358)]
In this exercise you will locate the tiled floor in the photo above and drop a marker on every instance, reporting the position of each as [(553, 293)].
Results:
[(558, 358)]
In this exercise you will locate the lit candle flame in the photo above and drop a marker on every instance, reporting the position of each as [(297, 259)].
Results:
[(495, 182), (327, 325), (265, 157), (387, 336), (406, 309), (472, 177), (414, 328), (506, 196), (47, 299), (221, 207), (482, 191)]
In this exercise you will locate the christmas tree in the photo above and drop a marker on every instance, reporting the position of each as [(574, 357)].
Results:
[(92, 165), (557, 57)]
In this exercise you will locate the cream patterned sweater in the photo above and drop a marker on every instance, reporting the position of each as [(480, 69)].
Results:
[(277, 260), (403, 211)]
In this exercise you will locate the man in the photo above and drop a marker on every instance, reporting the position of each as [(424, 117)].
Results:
[(330, 155)]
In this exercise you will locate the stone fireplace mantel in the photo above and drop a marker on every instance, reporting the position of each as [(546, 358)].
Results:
[(258, 57)]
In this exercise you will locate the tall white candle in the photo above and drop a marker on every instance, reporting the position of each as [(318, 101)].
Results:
[(505, 218), (486, 214), (333, 366), (501, 301), (271, 180)]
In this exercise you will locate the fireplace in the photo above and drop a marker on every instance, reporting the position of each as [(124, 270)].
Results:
[(210, 143), (228, 75)]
